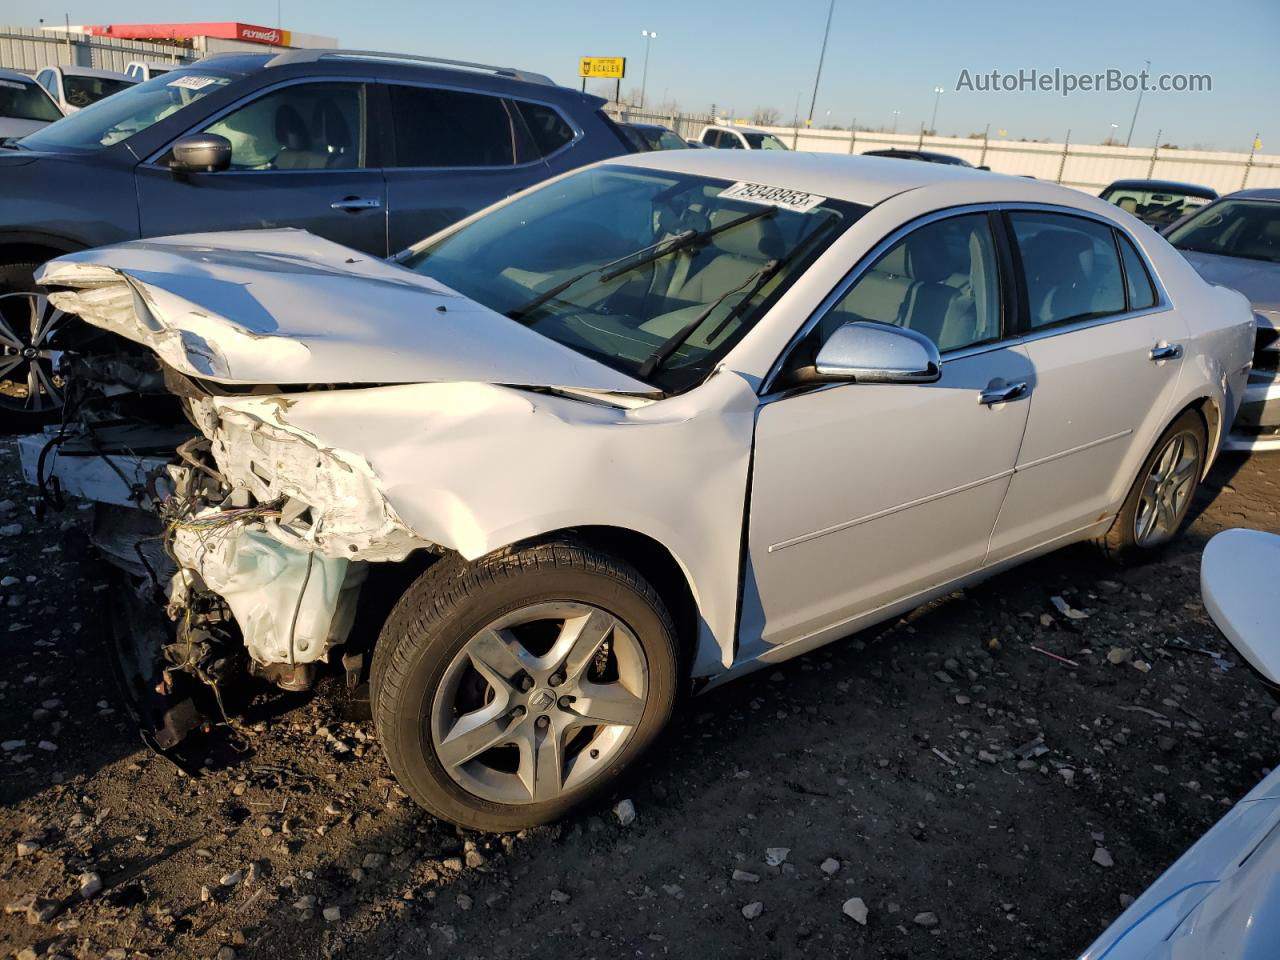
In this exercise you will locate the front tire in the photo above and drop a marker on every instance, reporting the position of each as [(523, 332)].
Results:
[(1160, 498), (509, 691)]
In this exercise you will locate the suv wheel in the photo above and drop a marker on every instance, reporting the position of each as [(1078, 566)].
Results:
[(30, 389), (510, 690)]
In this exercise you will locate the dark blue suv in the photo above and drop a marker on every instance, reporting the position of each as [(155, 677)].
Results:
[(371, 150)]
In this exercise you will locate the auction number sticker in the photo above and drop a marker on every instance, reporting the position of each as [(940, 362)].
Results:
[(762, 193), (195, 82)]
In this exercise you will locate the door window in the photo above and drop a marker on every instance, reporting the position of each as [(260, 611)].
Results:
[(1140, 289), (549, 130), (307, 126), (1071, 266), (940, 280), (447, 128)]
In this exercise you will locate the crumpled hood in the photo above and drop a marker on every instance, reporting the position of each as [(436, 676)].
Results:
[(1258, 281), (286, 307)]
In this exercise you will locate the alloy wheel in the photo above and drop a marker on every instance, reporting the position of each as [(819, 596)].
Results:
[(539, 702), (1167, 490), (29, 325)]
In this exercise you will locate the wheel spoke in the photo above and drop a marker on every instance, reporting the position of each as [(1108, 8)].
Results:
[(11, 362), (7, 336), (35, 398), (541, 767), (610, 703), (475, 732), (579, 639), (49, 317), (498, 657), (46, 383)]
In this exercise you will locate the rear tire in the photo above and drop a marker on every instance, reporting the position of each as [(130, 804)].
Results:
[(508, 691), (1158, 502)]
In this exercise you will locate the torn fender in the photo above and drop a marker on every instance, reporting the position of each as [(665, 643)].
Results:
[(286, 307), (474, 467)]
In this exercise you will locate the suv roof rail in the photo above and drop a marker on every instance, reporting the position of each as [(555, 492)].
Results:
[(310, 56)]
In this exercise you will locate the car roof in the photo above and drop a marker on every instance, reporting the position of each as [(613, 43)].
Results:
[(733, 126), (857, 178), (1193, 189), (71, 70), (16, 75), (1256, 193)]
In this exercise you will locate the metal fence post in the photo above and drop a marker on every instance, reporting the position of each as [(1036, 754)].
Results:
[(920, 142), (982, 160), (853, 134), (1155, 152), (1248, 164), (1062, 164)]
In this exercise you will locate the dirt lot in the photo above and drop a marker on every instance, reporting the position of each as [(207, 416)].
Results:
[(956, 779)]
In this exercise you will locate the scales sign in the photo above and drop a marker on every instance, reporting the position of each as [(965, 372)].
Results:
[(607, 68)]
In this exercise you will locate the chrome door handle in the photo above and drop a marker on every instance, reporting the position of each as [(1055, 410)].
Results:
[(356, 203), (1166, 351), (1004, 392)]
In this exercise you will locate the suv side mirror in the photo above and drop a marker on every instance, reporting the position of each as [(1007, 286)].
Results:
[(864, 352), (201, 153)]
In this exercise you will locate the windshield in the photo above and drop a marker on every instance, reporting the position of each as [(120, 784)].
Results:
[(120, 117), (764, 141), (670, 141), (510, 259), (23, 100), (1154, 206), (1233, 228)]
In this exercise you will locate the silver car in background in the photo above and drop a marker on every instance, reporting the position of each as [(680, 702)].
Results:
[(644, 428), (1235, 242)]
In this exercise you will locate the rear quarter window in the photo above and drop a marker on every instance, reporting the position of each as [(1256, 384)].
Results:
[(549, 130)]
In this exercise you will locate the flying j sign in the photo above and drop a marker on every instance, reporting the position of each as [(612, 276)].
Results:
[(608, 68)]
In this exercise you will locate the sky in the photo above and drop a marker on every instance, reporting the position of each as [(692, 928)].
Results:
[(881, 57)]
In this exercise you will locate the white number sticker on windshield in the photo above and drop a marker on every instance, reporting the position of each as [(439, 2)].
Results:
[(762, 193), (195, 83)]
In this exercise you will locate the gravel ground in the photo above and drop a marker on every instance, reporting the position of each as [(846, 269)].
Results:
[(939, 788)]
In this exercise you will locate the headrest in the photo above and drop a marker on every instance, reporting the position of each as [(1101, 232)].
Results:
[(757, 239)]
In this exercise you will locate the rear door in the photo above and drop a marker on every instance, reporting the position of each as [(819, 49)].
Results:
[(1106, 348), (301, 157), (453, 152)]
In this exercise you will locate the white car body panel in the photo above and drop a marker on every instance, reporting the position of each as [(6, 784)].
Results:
[(467, 464)]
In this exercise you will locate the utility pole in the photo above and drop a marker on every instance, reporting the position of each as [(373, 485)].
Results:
[(649, 37), (1138, 105), (831, 9)]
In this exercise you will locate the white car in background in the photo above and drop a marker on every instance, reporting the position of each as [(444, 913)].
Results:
[(649, 426), (726, 137), (141, 70), (73, 87), (25, 107)]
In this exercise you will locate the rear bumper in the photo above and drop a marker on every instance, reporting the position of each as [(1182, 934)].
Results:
[(1257, 424)]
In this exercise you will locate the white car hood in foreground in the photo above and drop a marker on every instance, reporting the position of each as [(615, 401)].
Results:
[(286, 307)]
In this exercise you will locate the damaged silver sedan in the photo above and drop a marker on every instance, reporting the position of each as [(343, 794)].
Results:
[(631, 433)]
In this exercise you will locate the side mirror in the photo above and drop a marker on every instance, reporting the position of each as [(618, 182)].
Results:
[(864, 352), (201, 153)]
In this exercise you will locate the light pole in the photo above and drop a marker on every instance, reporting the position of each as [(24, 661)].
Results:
[(896, 114), (649, 37), (1112, 135), (822, 55), (1138, 106), (933, 122)]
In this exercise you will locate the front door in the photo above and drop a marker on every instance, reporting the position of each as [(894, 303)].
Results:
[(867, 494), (299, 158)]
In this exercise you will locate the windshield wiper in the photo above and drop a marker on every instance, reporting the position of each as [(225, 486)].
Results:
[(758, 279), (645, 255)]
